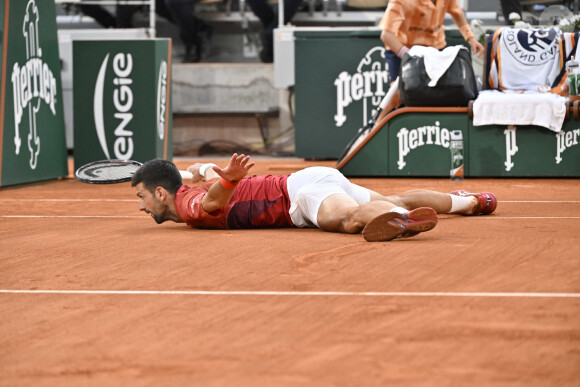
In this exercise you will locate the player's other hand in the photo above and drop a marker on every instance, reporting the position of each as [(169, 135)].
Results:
[(237, 169), (194, 169)]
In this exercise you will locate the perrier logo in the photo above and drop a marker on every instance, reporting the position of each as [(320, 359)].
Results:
[(33, 84), (368, 84)]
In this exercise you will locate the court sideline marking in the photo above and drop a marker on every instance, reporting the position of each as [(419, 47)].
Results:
[(293, 293)]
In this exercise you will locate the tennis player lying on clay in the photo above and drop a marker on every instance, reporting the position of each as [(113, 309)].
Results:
[(227, 198)]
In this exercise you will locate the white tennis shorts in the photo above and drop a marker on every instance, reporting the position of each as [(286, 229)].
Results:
[(309, 187)]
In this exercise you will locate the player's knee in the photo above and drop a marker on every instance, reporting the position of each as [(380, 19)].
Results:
[(351, 226), (340, 222), (350, 223)]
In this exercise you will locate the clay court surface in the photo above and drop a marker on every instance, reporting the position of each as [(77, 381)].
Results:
[(95, 293)]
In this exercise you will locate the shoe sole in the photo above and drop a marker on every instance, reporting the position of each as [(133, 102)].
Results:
[(392, 225)]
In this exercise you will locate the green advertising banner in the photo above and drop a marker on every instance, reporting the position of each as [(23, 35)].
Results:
[(32, 133), (419, 144), (341, 78), (122, 100), (525, 151)]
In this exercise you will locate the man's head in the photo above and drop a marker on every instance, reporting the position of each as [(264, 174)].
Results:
[(157, 182)]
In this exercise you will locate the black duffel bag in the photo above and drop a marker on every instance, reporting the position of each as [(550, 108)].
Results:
[(456, 87)]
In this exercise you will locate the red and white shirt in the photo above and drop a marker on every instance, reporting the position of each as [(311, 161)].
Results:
[(258, 202)]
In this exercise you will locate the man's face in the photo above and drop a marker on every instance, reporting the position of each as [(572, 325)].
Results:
[(150, 203)]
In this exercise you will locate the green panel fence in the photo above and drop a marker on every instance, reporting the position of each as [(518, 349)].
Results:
[(32, 133)]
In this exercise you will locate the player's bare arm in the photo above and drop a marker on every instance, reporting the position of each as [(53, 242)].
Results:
[(219, 195)]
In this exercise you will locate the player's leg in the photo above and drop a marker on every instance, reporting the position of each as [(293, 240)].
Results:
[(350, 210), (323, 197), (342, 213), (440, 202), (378, 220), (456, 202)]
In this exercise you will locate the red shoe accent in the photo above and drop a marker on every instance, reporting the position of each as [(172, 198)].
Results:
[(487, 201), (393, 225)]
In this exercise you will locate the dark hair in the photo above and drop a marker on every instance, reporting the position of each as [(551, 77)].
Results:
[(158, 173)]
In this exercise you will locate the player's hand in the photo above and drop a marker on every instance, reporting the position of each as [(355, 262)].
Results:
[(237, 169), (194, 169)]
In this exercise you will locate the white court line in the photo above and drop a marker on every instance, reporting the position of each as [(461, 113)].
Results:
[(291, 293)]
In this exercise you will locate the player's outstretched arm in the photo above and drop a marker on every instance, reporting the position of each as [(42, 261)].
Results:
[(219, 196)]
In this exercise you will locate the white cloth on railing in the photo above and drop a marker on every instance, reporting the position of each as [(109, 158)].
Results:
[(494, 107), (436, 62)]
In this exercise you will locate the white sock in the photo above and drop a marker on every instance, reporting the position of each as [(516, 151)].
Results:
[(460, 204), (400, 210)]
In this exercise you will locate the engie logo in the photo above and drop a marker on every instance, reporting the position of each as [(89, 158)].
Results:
[(122, 97), (368, 84), (532, 47), (161, 99), (33, 84), (411, 139)]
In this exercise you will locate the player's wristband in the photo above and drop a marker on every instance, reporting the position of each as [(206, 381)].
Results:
[(228, 184), (402, 51), (204, 168)]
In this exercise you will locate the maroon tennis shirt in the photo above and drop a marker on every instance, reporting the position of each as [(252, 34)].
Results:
[(258, 202)]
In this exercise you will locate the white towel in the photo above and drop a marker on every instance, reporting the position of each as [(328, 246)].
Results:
[(436, 62), (529, 59), (494, 107)]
